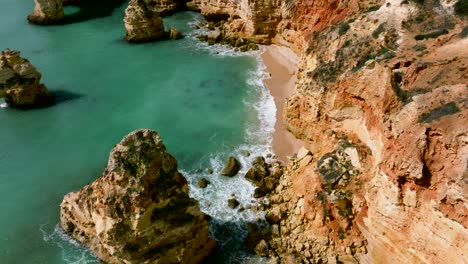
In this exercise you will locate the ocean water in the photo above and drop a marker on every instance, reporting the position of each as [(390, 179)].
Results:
[(206, 102)]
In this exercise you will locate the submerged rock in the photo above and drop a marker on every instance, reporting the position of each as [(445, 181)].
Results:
[(141, 24), (139, 210), (20, 82), (231, 168), (47, 12)]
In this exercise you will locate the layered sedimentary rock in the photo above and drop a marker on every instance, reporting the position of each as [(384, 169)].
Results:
[(139, 210), (166, 7), (254, 20), (142, 24), (20, 82), (381, 105), (47, 12)]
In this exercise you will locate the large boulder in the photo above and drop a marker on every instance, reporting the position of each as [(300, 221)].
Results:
[(139, 210), (231, 168), (20, 82), (47, 12), (141, 24), (258, 171)]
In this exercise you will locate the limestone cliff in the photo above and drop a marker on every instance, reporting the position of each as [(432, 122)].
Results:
[(139, 210), (142, 24), (254, 20), (47, 12), (20, 82), (166, 7), (381, 104)]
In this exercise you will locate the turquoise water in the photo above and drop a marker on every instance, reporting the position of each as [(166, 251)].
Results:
[(205, 106)]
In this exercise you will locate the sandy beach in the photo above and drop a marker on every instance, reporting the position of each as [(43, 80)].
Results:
[(281, 64)]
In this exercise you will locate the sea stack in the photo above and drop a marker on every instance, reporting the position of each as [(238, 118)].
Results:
[(20, 82), (139, 210), (141, 24), (47, 12)]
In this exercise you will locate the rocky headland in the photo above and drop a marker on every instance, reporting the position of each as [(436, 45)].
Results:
[(20, 82), (139, 210), (380, 104)]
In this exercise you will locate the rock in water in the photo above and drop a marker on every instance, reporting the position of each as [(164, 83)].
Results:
[(20, 82), (139, 210), (203, 183), (141, 24), (174, 34), (47, 12), (232, 167), (233, 203)]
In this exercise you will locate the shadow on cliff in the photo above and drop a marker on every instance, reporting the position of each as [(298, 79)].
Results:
[(91, 9)]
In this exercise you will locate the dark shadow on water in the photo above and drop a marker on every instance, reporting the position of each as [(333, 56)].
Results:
[(62, 96), (91, 9), (236, 241)]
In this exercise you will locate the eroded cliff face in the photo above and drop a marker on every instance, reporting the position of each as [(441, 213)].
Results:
[(381, 104), (20, 82), (139, 210), (254, 20), (142, 24), (47, 12)]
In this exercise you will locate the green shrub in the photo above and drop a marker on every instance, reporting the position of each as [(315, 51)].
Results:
[(461, 7), (433, 34), (344, 27)]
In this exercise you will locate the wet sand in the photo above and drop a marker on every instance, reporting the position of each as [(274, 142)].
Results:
[(281, 64)]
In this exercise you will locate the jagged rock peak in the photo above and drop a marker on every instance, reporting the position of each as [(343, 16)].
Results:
[(20, 82), (141, 24), (139, 210), (47, 12)]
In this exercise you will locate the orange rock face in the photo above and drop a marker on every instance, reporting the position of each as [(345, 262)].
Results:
[(381, 103), (139, 210), (20, 82)]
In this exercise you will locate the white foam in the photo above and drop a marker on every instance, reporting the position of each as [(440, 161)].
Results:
[(3, 105), (216, 49), (259, 133), (72, 251)]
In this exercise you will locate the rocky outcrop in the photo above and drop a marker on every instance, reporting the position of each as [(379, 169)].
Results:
[(255, 21), (231, 168), (20, 82), (139, 210), (264, 176), (141, 24), (47, 12), (166, 7)]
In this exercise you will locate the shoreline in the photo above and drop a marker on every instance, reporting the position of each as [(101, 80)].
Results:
[(281, 65)]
